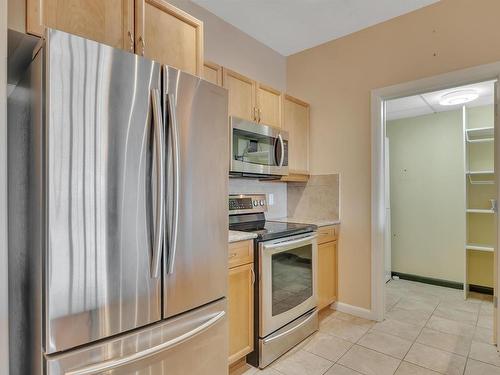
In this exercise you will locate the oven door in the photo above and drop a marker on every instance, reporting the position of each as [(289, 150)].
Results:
[(258, 149), (287, 280)]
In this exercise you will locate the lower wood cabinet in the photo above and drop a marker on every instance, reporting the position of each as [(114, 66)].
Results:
[(240, 300), (327, 266)]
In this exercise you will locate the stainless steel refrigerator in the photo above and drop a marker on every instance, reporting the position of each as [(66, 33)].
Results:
[(118, 171)]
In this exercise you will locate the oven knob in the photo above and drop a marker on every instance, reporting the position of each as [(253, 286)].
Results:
[(255, 203), (262, 202)]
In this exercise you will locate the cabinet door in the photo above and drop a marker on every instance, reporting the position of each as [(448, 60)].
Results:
[(269, 104), (212, 72), (110, 22), (241, 94), (296, 122), (169, 35), (240, 311), (327, 274)]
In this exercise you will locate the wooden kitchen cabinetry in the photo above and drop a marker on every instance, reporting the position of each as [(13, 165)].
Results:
[(212, 72), (296, 122), (240, 299), (327, 265), (152, 28), (110, 22), (169, 35), (251, 100)]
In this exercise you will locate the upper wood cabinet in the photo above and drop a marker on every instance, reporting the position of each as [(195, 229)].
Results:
[(241, 91), (269, 105), (110, 21), (296, 122), (160, 32), (212, 72), (251, 100), (169, 35)]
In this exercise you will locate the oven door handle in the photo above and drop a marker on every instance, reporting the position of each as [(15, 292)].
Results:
[(305, 321), (287, 244)]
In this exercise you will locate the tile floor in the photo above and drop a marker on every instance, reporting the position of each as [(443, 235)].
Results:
[(428, 330)]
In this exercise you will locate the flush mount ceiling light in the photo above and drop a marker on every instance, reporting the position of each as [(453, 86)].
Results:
[(459, 97)]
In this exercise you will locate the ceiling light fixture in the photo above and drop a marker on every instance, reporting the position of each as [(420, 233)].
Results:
[(459, 97)]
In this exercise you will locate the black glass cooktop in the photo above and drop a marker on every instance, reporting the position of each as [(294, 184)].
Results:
[(265, 229)]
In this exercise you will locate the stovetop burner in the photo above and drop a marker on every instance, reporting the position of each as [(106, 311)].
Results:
[(267, 229)]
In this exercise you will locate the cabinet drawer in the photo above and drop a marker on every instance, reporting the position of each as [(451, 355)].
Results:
[(240, 253), (327, 234)]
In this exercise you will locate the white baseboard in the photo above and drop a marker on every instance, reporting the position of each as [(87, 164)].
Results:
[(353, 310)]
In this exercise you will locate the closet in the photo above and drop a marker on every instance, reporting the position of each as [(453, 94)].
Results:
[(481, 203)]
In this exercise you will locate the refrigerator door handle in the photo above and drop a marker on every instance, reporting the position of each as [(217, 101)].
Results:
[(112, 364), (160, 183), (174, 196)]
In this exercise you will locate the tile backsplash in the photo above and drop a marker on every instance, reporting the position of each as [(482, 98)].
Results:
[(278, 189), (318, 198)]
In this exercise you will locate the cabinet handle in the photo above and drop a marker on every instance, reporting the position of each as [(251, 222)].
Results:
[(253, 276), (143, 45), (131, 39), (255, 113), (258, 111)]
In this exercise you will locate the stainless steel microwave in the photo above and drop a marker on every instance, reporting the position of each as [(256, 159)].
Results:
[(257, 150)]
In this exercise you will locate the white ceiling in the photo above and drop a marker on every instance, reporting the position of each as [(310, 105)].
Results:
[(290, 26), (428, 103)]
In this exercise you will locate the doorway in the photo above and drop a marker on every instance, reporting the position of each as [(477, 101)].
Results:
[(441, 215), (380, 220)]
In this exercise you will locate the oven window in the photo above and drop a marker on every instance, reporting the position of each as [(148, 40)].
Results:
[(254, 148), (292, 279)]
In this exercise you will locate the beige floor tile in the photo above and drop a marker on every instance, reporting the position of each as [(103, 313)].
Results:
[(266, 371), (341, 370), (486, 307), (302, 363), (385, 343), (445, 341), (391, 300), (484, 353), (415, 317), (479, 368), (352, 319), (483, 335), (460, 305), (436, 359), (407, 368), (369, 362), (397, 328), (345, 329), (458, 315), (327, 346), (485, 320), (450, 326), (410, 303)]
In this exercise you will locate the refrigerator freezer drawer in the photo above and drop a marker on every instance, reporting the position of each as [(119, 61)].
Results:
[(192, 343)]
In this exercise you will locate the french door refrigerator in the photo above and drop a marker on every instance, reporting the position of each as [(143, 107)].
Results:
[(118, 172)]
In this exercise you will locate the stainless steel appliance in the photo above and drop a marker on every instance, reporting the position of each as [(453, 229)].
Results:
[(285, 295), (257, 150), (117, 217)]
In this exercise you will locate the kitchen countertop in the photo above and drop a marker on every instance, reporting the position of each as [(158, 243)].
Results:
[(235, 236), (315, 221)]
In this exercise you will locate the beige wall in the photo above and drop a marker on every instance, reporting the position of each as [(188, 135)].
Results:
[(336, 78), (428, 195), (230, 47)]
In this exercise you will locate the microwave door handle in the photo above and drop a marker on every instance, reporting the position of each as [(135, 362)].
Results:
[(282, 145), (160, 183), (174, 175)]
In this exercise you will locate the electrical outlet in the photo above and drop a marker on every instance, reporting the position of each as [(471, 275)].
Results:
[(270, 199)]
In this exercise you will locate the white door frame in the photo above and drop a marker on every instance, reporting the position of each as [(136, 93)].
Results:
[(378, 98)]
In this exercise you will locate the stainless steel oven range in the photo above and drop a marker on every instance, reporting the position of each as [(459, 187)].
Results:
[(285, 294)]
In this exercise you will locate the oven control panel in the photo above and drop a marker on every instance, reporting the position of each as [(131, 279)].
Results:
[(247, 203)]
